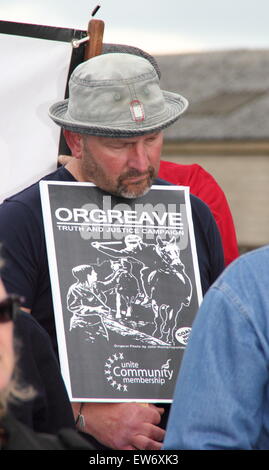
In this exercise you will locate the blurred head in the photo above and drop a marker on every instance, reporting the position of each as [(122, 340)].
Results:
[(7, 356), (6, 339)]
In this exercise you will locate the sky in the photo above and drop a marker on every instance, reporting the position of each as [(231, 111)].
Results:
[(158, 26)]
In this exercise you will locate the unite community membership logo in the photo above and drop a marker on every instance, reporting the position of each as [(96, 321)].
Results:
[(120, 373)]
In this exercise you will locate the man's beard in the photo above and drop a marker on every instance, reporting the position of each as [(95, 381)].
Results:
[(93, 172), (133, 190)]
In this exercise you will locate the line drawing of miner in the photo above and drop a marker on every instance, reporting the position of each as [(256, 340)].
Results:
[(145, 258), (87, 302), (137, 253), (127, 287)]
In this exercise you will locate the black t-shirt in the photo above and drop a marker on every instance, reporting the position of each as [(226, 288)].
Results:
[(24, 248)]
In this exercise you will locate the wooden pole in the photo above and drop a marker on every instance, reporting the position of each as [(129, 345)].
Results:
[(94, 45)]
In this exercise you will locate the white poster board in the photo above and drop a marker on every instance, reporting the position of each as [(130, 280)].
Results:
[(126, 288)]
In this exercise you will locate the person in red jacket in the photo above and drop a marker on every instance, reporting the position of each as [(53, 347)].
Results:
[(203, 185)]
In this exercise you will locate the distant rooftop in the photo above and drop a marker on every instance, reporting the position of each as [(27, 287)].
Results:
[(228, 92), (224, 102)]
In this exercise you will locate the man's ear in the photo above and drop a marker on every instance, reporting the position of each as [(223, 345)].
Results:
[(74, 142)]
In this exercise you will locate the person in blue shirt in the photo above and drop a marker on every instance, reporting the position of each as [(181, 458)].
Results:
[(221, 396)]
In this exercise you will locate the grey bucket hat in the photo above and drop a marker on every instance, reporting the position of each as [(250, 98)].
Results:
[(117, 95)]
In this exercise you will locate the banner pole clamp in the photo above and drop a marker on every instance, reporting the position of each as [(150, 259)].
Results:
[(77, 42)]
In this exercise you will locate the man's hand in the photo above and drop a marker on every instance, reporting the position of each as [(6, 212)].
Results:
[(125, 426)]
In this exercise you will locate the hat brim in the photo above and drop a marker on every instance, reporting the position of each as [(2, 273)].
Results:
[(175, 105)]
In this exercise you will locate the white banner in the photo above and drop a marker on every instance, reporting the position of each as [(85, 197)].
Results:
[(33, 76)]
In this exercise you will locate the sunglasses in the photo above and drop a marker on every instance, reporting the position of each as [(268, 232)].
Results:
[(9, 307)]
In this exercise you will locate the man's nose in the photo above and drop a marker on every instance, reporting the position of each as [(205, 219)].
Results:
[(138, 157)]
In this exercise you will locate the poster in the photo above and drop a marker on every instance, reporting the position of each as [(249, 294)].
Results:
[(126, 288)]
